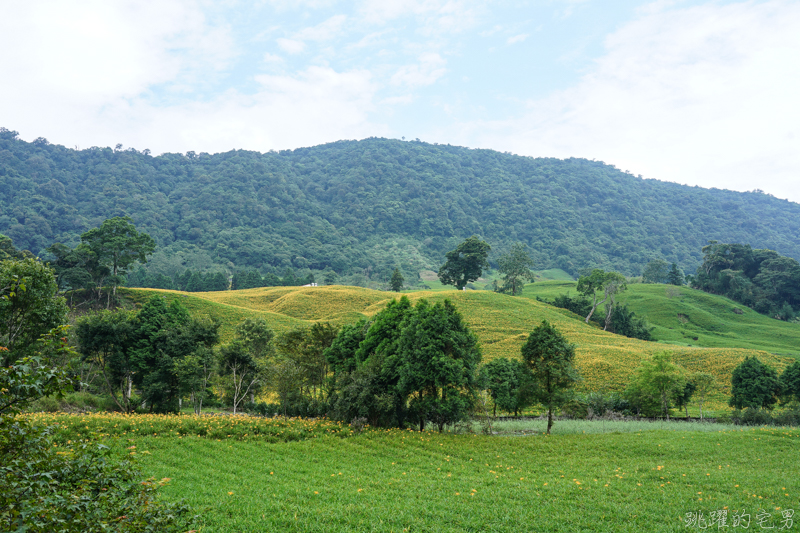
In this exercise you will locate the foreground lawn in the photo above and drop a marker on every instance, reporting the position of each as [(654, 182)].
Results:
[(409, 481)]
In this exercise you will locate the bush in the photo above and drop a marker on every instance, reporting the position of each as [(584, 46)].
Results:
[(751, 417), (44, 488)]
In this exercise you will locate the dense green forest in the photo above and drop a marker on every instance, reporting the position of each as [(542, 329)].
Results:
[(362, 208)]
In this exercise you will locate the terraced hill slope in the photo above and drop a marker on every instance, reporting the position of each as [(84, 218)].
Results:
[(688, 317), (501, 322)]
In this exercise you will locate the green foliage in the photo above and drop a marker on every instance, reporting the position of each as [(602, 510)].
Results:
[(790, 382), (117, 245), (656, 384), (440, 358), (465, 263), (675, 276), (419, 362), (754, 384), (396, 283), (611, 283), (761, 279), (623, 321), (656, 271), (29, 307), (551, 360), (704, 384), (515, 266), (44, 488), (142, 348), (509, 384), (371, 204)]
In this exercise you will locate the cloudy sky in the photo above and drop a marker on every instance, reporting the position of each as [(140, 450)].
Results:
[(704, 93)]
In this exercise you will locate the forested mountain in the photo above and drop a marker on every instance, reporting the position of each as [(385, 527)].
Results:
[(368, 206)]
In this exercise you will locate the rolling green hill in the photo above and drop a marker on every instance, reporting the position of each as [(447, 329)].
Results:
[(689, 317), (501, 322), (361, 208)]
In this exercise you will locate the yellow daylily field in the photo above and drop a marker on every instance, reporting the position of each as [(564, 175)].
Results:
[(501, 322)]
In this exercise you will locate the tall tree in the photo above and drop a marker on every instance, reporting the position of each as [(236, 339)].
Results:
[(790, 382), (466, 263), (440, 361), (397, 280), (516, 269), (551, 360), (508, 384), (656, 271), (675, 276), (754, 384), (661, 379), (704, 383), (611, 283), (118, 245)]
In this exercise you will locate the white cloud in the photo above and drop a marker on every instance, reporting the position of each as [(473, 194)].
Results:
[(430, 68), (324, 31), (291, 46), (517, 38), (703, 95)]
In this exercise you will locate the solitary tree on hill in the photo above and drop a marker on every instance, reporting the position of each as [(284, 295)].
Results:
[(465, 263), (117, 244), (397, 280), (516, 269), (611, 283)]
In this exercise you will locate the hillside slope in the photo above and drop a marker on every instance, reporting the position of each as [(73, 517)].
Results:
[(368, 206), (501, 322), (689, 317)]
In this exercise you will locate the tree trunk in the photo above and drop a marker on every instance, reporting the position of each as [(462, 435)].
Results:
[(549, 418)]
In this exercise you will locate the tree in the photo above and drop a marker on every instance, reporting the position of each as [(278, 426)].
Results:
[(790, 382), (506, 381), (240, 369), (675, 276), (106, 340), (118, 245), (306, 348), (465, 264), (754, 384), (611, 283), (30, 306), (164, 335), (659, 379), (194, 375), (656, 271), (397, 280), (516, 269), (682, 396), (551, 360), (440, 357), (704, 383)]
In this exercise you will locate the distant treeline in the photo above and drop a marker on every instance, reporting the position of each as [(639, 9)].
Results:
[(366, 207), (196, 281)]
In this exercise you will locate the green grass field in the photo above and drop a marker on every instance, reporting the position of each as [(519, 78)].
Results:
[(401, 480), (689, 317)]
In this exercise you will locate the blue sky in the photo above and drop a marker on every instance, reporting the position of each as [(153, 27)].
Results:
[(695, 92)]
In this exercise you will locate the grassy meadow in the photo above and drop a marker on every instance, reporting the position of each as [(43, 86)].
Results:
[(689, 317), (501, 322), (328, 479)]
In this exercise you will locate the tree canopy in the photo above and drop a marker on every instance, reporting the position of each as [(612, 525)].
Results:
[(466, 263), (551, 360)]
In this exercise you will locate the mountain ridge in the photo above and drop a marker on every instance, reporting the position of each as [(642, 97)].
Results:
[(367, 206)]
